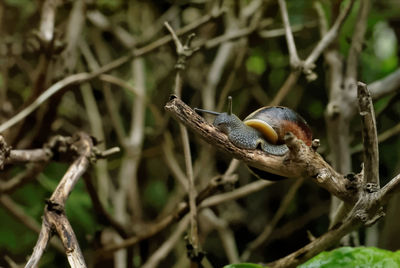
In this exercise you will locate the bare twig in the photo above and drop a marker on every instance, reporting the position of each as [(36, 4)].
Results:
[(236, 194), (213, 186), (41, 244), (47, 21), (317, 245), (387, 191), (386, 85), (294, 57), (21, 178), (25, 219), (172, 162), (356, 44), (183, 52), (225, 233), (96, 125), (271, 225), (370, 139), (381, 138), (83, 77), (100, 211), (329, 37), (54, 214), (168, 245), (308, 64)]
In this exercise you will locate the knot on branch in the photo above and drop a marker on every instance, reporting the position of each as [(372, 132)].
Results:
[(58, 145), (54, 207), (292, 142), (183, 51), (315, 144), (309, 73), (4, 151), (193, 253), (379, 214), (371, 187), (333, 110), (322, 175)]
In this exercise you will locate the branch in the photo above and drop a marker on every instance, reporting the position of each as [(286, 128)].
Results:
[(391, 188), (184, 52), (54, 213), (308, 64), (302, 161), (356, 44), (213, 186), (83, 77), (328, 38), (366, 211), (316, 246), (294, 57), (266, 233), (370, 137), (21, 178), (386, 85)]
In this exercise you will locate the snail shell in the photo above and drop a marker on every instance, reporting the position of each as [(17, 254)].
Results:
[(275, 121)]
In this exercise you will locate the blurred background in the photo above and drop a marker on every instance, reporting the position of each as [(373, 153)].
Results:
[(242, 53)]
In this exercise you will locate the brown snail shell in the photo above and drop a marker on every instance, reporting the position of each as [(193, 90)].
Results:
[(275, 121)]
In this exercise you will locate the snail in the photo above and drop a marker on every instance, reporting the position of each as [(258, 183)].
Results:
[(264, 129)]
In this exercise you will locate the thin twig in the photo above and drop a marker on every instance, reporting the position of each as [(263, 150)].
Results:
[(168, 245), (356, 44), (329, 37), (271, 225), (27, 220), (183, 52), (394, 131), (294, 57), (83, 77)]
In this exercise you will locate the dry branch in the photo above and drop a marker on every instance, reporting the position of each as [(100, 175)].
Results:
[(54, 214), (370, 136), (302, 161)]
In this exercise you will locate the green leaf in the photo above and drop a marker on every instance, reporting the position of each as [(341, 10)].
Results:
[(355, 257), (256, 64), (244, 265)]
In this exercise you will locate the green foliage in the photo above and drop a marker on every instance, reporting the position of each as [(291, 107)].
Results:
[(345, 257), (109, 5), (316, 109), (156, 194), (256, 64), (244, 265), (355, 257)]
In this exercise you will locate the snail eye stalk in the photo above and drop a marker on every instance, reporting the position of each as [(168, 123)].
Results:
[(229, 105), (197, 110)]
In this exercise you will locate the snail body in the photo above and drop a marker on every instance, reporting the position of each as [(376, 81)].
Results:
[(263, 129)]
